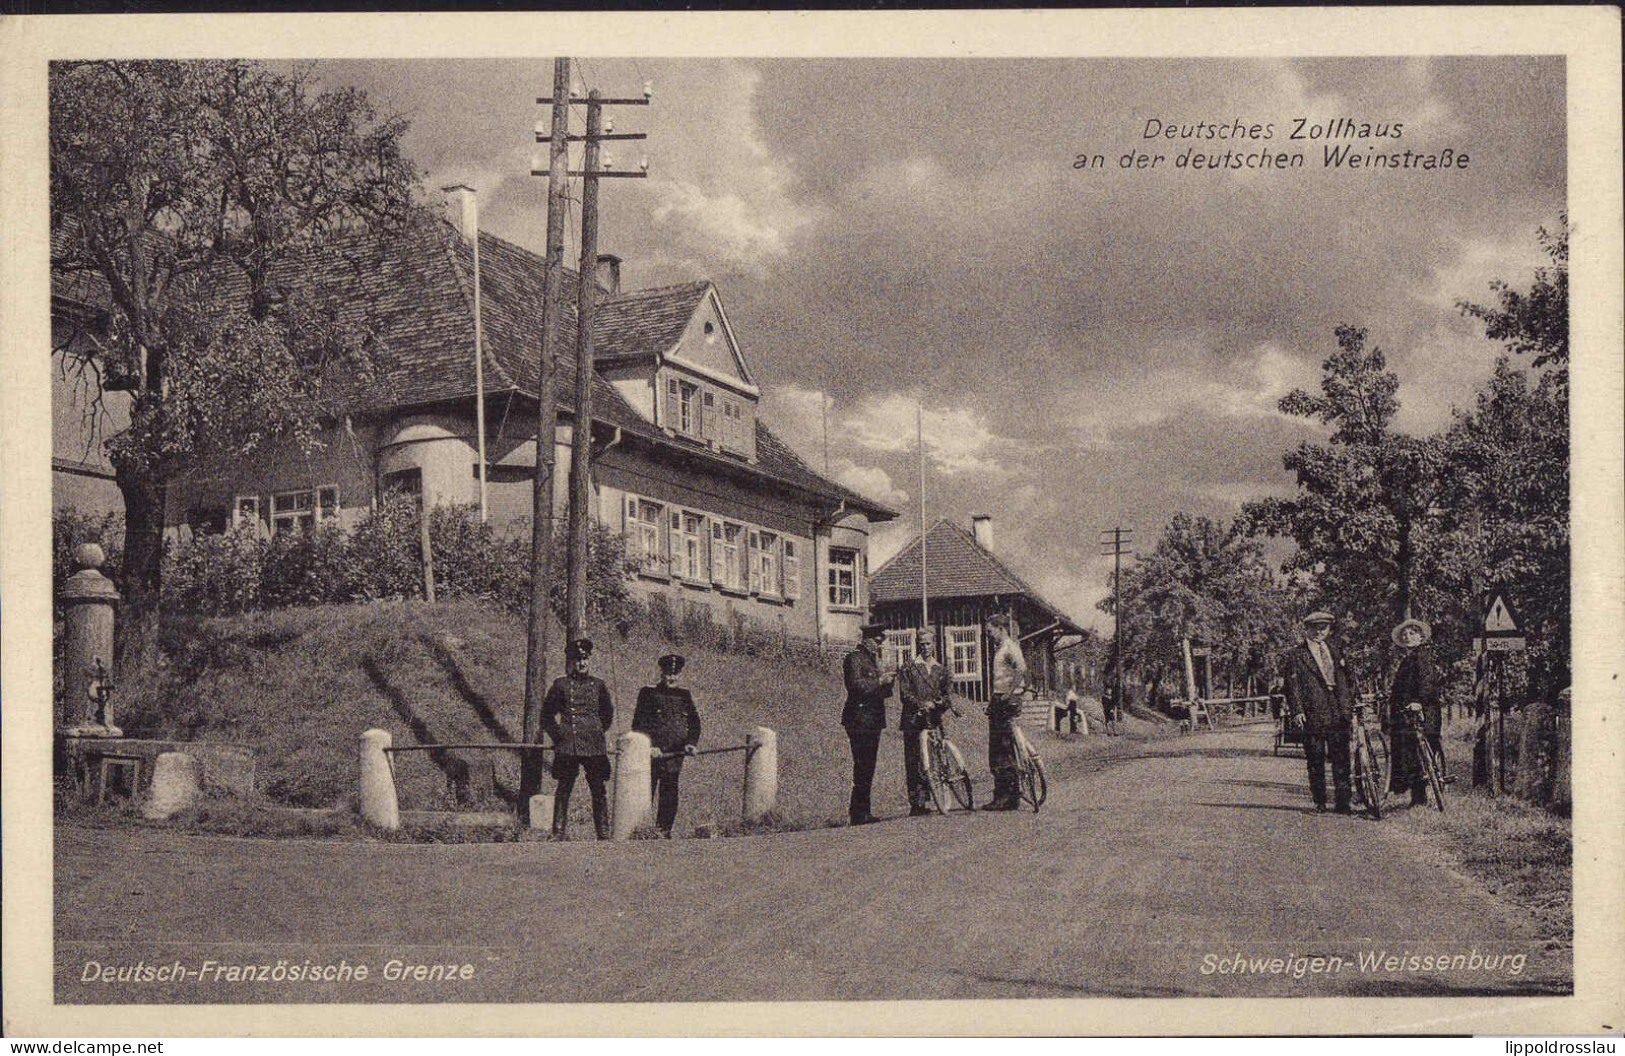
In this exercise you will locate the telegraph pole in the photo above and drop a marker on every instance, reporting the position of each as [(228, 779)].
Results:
[(541, 525), (586, 296), (1119, 544)]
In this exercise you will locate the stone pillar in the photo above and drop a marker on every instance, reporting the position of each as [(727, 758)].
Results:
[(541, 811), (632, 785), (88, 598), (174, 786), (378, 803), (761, 774)]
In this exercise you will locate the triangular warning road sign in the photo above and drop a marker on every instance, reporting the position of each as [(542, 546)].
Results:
[(1499, 616)]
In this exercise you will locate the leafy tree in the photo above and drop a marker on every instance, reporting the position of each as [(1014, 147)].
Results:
[(1365, 515), (183, 195), (1207, 582)]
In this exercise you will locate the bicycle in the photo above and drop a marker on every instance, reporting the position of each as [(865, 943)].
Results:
[(1432, 766), (945, 770), (1369, 759), (1031, 781)]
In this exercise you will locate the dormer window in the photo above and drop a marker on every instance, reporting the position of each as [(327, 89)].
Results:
[(682, 407)]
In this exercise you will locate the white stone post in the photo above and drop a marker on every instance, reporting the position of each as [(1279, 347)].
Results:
[(541, 811), (88, 599), (379, 805), (632, 785), (174, 786), (761, 774)]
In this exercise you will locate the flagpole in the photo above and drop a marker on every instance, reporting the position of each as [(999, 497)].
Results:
[(919, 440)]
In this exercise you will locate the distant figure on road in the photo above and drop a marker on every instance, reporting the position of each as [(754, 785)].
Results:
[(1415, 681), (575, 713), (923, 687), (864, 717), (666, 713), (1319, 700), (1077, 719), (1009, 680)]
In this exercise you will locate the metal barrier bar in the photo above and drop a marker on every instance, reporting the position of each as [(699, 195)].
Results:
[(478, 747)]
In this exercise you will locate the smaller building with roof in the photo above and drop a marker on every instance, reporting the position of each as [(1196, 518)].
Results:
[(964, 583)]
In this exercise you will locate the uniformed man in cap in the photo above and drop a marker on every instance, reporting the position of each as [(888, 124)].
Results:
[(1320, 701), (576, 713), (864, 716), (666, 713)]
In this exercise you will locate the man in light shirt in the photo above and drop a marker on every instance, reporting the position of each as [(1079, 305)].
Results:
[(1009, 680)]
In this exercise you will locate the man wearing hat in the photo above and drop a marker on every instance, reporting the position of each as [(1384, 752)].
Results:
[(575, 713), (1003, 708), (1415, 682), (1319, 700), (666, 713), (864, 716)]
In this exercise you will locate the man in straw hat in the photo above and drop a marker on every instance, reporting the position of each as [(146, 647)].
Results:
[(1416, 682), (1319, 701), (864, 716), (575, 713), (666, 713)]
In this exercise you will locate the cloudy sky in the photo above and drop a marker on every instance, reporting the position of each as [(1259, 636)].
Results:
[(1091, 347)]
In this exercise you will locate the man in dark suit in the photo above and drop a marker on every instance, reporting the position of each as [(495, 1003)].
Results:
[(666, 713), (923, 688), (1319, 701), (864, 717)]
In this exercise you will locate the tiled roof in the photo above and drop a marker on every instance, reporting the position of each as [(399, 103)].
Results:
[(414, 291), (956, 567)]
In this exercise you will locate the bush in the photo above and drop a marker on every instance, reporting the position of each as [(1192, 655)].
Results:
[(215, 575)]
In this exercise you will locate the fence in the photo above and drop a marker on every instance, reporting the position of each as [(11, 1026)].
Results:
[(630, 800)]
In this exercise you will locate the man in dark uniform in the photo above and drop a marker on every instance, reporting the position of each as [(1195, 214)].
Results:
[(864, 717), (666, 713), (923, 688), (1319, 701), (575, 713), (1415, 682)]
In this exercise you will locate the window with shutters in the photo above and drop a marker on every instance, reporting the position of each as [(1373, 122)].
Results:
[(965, 653), (727, 563), (792, 570), (645, 522), (843, 577), (692, 540), (768, 555)]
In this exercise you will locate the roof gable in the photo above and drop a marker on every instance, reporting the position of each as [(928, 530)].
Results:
[(955, 567)]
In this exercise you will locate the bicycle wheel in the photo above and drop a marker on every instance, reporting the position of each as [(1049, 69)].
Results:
[(1035, 786), (957, 775), (1382, 761), (1430, 766), (1365, 777), (935, 777)]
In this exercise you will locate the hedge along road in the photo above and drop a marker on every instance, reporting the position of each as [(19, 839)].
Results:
[(1194, 869)]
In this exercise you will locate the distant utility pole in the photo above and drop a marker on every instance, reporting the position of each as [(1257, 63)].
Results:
[(1118, 541), (586, 295), (541, 509)]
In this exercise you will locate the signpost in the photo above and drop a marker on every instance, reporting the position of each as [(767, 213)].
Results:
[(1500, 632)]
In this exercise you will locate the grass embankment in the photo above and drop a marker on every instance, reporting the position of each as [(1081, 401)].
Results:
[(299, 685), (1523, 853)]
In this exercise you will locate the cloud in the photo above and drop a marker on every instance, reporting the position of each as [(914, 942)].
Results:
[(869, 481), (957, 439)]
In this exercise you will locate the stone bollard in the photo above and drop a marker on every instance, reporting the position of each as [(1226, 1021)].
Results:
[(541, 811), (379, 805), (88, 598), (174, 786), (761, 774), (632, 785)]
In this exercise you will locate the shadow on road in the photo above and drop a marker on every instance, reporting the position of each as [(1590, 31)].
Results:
[(1216, 753), (1258, 806), (1273, 786)]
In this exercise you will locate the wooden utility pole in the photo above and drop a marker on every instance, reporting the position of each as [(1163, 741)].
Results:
[(541, 531), (919, 442), (581, 432), (586, 296), (1120, 544)]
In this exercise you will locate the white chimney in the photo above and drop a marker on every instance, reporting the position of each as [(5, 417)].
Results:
[(463, 209), (982, 529)]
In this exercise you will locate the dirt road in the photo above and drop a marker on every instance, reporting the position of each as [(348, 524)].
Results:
[(1195, 869)]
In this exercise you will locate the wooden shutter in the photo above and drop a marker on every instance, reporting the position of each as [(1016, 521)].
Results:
[(709, 416), (755, 559), (629, 530), (719, 564), (674, 542), (674, 410), (792, 570)]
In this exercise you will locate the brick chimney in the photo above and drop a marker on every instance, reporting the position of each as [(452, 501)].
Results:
[(982, 528), (463, 209), (609, 273)]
